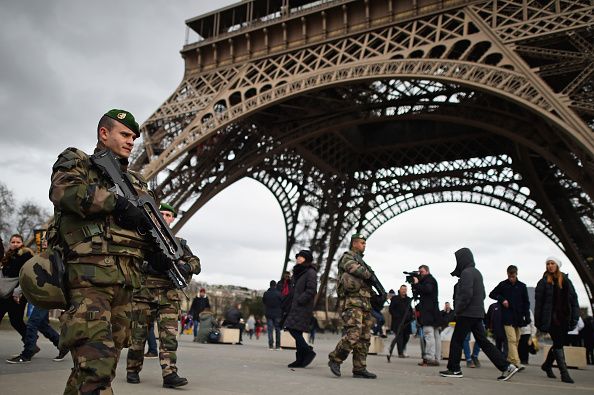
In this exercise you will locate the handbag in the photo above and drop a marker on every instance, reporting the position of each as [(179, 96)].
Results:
[(7, 285), (214, 335)]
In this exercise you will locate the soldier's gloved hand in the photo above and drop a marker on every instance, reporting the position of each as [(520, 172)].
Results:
[(129, 216), (158, 262), (184, 269)]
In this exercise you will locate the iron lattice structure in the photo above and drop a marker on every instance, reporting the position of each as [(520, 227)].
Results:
[(354, 111)]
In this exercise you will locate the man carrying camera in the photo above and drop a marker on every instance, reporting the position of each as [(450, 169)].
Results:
[(425, 289)]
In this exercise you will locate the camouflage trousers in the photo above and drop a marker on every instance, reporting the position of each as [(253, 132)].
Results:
[(357, 334), (159, 305), (95, 329)]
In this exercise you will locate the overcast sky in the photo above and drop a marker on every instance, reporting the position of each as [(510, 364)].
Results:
[(64, 63)]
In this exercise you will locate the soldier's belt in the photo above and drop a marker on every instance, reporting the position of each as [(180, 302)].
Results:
[(86, 232)]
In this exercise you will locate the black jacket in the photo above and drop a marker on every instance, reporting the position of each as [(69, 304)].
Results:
[(447, 317), (545, 313), (232, 316), (518, 312), (305, 284), (428, 306), (272, 302), (469, 292), (198, 305), (14, 260), (400, 310)]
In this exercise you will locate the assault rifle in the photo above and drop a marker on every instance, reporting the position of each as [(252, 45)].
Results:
[(159, 231), (373, 281)]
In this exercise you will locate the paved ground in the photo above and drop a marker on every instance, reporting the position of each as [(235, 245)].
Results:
[(253, 369)]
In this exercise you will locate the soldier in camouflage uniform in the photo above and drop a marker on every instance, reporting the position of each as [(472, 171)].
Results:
[(103, 247), (158, 300), (354, 294)]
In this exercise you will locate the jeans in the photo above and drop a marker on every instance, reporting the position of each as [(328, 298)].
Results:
[(432, 343), (464, 325), (196, 326), (475, 349), (38, 322), (273, 324), (151, 340), (379, 322)]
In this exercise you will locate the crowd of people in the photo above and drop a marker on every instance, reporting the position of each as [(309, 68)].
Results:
[(117, 286)]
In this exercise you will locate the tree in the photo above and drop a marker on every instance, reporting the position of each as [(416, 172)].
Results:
[(29, 217), (6, 211)]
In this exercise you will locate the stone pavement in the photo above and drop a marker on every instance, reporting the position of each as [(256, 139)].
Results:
[(253, 369)]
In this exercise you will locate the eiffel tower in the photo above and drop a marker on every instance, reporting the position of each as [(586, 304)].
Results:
[(352, 112)]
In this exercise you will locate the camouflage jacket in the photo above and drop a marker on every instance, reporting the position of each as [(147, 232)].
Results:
[(352, 285), (155, 280), (83, 208)]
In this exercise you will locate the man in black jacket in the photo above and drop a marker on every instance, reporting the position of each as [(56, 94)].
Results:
[(426, 289), (469, 297), (199, 303), (272, 300), (402, 316), (512, 295)]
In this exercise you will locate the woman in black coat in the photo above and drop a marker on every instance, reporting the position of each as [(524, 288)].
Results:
[(14, 303), (304, 288), (556, 312)]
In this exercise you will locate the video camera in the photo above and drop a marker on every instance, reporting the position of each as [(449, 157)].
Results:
[(411, 275)]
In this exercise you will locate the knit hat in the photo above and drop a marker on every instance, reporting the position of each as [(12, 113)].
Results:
[(553, 259)]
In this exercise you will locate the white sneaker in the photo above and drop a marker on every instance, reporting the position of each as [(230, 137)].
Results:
[(509, 372)]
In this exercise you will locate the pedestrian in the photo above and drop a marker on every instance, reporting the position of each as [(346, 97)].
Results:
[(588, 334), (102, 233), (159, 301), (250, 325), (469, 297), (272, 300), (425, 287), (151, 340), (527, 333), (199, 303), (354, 293), (38, 322), (234, 319), (304, 286), (512, 295), (574, 336), (471, 356), (556, 312), (12, 300), (207, 324), (494, 320), (447, 316), (313, 329), (402, 316), (284, 284)]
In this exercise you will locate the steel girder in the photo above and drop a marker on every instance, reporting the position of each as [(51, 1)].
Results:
[(484, 102)]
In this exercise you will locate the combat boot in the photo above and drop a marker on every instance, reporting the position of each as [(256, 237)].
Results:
[(308, 356), (560, 356), (547, 366), (334, 368), (133, 378), (172, 380), (364, 374)]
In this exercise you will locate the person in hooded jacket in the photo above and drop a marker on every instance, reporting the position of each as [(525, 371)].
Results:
[(469, 297), (556, 312), (304, 285)]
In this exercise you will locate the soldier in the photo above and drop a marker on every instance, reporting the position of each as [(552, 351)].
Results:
[(354, 293), (158, 300), (103, 249)]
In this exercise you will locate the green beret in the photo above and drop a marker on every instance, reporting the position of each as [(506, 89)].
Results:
[(168, 207), (358, 236), (125, 118)]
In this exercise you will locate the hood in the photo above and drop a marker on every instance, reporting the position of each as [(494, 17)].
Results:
[(464, 259)]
